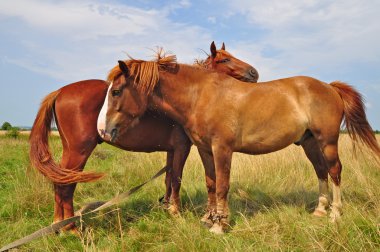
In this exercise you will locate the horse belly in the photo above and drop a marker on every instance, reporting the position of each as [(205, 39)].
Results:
[(270, 138), (148, 135), (260, 146)]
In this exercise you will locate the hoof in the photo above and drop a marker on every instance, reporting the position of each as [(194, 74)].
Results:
[(163, 200), (320, 213), (335, 216), (207, 220), (75, 232), (165, 206), (173, 210), (68, 232), (70, 229), (217, 229)]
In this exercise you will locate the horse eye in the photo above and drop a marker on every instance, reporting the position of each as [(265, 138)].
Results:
[(223, 60), (116, 92)]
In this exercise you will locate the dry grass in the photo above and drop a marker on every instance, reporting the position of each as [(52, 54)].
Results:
[(26, 132), (271, 198)]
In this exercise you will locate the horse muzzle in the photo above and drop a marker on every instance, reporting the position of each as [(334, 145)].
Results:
[(114, 133), (251, 76), (109, 136)]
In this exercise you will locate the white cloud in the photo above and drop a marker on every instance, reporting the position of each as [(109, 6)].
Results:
[(301, 36), (185, 3), (314, 34), (74, 40), (82, 19)]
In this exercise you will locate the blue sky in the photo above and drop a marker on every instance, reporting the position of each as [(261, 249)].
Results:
[(45, 44)]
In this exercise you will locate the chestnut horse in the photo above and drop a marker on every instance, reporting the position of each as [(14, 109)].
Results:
[(76, 107), (222, 115)]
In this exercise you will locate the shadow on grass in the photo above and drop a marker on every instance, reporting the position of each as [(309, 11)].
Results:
[(248, 202), (125, 214), (253, 200)]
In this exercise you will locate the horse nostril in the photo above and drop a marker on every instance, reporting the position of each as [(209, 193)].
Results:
[(253, 72), (113, 134)]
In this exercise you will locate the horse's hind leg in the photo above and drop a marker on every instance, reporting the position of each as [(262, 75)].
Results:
[(328, 142), (63, 207), (330, 152), (315, 155), (73, 160)]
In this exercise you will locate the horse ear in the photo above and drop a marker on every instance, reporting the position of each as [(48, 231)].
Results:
[(213, 49), (123, 67), (223, 47)]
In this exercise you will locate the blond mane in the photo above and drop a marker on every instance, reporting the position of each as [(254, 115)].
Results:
[(145, 73)]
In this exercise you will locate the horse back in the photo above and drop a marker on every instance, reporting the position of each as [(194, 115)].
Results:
[(268, 116)]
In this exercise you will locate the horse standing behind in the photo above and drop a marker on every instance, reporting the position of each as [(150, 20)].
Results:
[(76, 108), (222, 115)]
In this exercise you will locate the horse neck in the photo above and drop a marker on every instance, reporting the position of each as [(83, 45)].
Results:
[(178, 92)]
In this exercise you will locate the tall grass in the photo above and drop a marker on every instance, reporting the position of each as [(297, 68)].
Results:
[(271, 198)]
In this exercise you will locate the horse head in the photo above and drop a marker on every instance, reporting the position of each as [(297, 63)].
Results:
[(225, 62), (131, 83)]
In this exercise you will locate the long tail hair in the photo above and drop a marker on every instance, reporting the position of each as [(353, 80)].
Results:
[(40, 155), (355, 118)]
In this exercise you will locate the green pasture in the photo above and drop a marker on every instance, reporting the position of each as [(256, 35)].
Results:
[(271, 200)]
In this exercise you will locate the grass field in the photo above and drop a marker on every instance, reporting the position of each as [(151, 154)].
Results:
[(271, 198)]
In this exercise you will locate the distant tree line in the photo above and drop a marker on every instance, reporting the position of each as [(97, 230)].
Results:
[(6, 126), (12, 132)]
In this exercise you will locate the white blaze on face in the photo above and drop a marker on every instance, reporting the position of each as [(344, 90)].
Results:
[(102, 117)]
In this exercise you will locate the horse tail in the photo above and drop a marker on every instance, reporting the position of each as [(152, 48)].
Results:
[(40, 155), (355, 118)]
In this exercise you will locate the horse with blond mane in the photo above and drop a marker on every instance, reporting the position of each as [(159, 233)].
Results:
[(76, 108), (222, 115)]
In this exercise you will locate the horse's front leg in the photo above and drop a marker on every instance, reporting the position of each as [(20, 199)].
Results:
[(208, 164), (168, 179), (181, 153), (222, 159)]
